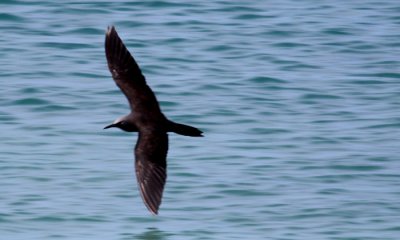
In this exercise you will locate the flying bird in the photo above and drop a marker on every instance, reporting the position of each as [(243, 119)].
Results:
[(145, 118)]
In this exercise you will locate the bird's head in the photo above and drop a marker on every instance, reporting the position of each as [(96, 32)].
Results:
[(123, 123)]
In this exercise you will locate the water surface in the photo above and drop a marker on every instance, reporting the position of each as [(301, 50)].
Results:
[(299, 102)]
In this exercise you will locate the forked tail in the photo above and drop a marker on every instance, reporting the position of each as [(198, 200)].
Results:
[(184, 130)]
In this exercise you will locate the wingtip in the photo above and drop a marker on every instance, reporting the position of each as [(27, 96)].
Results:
[(154, 213), (152, 209), (110, 29)]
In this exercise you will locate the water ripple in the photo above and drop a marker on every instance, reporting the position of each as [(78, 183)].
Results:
[(298, 103)]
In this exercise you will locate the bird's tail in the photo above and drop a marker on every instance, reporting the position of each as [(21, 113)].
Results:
[(184, 130)]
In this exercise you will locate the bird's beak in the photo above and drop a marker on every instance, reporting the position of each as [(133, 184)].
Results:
[(109, 126)]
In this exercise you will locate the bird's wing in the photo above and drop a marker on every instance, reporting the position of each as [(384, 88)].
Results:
[(151, 167), (127, 74)]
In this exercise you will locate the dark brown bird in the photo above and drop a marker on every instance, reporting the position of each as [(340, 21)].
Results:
[(146, 118)]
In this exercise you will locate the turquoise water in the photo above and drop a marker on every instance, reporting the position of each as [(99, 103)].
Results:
[(299, 102)]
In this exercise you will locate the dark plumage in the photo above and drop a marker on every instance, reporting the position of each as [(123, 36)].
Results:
[(146, 118)]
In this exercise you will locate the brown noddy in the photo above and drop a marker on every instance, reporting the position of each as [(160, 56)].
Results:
[(145, 118)]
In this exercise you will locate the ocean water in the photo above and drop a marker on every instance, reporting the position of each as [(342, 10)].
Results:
[(298, 100)]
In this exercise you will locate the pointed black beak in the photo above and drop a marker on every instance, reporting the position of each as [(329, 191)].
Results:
[(110, 126)]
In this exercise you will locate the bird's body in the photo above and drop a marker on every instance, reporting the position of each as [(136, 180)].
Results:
[(145, 118)]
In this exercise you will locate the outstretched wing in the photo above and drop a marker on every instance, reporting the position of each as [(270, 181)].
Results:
[(127, 74), (151, 167)]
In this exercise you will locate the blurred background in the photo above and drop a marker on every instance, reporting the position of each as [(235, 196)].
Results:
[(298, 100)]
